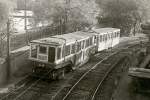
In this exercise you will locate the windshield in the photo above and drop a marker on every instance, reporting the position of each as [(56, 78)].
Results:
[(43, 50)]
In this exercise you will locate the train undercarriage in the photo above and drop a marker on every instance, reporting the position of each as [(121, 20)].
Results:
[(49, 72)]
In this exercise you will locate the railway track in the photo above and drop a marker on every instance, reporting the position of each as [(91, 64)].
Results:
[(45, 90), (88, 85), (106, 88), (24, 85), (83, 88), (36, 88)]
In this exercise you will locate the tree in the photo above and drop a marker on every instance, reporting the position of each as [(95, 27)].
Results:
[(74, 15), (5, 8), (3, 13), (123, 14)]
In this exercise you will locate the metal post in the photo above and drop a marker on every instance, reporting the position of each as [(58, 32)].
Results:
[(8, 51), (0, 44), (25, 21), (66, 14)]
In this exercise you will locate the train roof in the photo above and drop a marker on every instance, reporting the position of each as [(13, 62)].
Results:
[(105, 30), (72, 37), (61, 39)]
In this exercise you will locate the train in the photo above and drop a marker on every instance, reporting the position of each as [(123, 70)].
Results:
[(59, 53)]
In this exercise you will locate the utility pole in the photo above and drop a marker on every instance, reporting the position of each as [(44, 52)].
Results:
[(66, 14), (8, 50), (0, 44), (25, 21)]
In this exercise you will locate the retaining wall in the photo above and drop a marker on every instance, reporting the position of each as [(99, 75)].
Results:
[(19, 66)]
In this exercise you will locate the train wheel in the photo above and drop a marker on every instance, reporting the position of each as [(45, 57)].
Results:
[(134, 85), (54, 75), (33, 70), (68, 68), (61, 74)]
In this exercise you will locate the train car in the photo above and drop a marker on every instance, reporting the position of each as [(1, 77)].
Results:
[(61, 51), (68, 51), (107, 38)]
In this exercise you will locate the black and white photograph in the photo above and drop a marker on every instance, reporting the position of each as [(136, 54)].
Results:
[(74, 49)]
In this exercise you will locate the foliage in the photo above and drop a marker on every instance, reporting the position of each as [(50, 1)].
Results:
[(3, 12), (124, 14), (72, 15), (5, 8)]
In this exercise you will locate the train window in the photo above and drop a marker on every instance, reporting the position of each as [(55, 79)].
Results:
[(42, 49), (83, 42), (109, 36), (58, 53), (78, 46), (63, 51), (112, 35), (115, 34), (100, 38), (33, 51), (118, 34), (87, 43), (67, 50), (95, 39), (73, 49), (91, 41), (103, 37)]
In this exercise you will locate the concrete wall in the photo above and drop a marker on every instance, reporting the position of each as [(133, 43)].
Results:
[(20, 66), (2, 73)]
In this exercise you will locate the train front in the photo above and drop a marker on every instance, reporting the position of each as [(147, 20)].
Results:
[(43, 54)]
